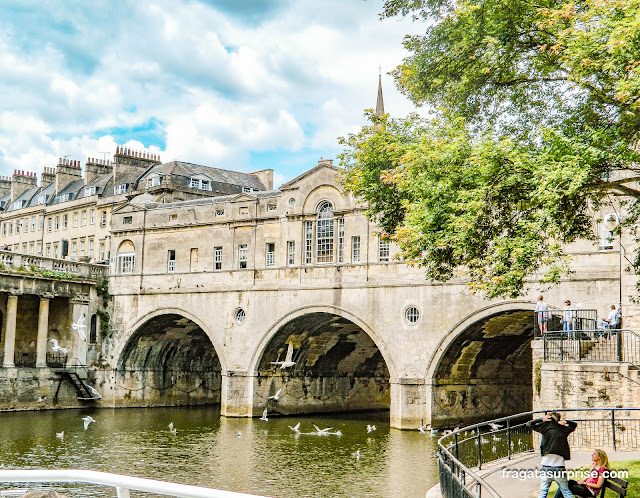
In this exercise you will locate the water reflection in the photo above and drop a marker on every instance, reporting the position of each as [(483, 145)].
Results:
[(267, 459)]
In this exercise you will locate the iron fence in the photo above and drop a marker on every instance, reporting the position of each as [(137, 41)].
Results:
[(598, 346), (568, 320), (25, 359), (463, 452)]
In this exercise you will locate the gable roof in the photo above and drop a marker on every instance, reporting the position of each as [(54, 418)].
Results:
[(323, 165)]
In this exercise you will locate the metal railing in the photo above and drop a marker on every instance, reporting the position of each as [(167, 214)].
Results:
[(28, 360), (570, 320), (122, 484), (14, 261), (597, 346), (476, 445)]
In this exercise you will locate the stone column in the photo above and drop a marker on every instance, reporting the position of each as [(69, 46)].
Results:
[(10, 332), (43, 330), (80, 327), (408, 403), (237, 394)]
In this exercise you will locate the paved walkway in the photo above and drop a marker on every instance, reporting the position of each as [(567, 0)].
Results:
[(513, 487)]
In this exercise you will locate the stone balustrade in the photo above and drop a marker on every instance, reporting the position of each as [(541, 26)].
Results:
[(12, 261)]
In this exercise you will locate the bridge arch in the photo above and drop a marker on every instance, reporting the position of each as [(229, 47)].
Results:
[(169, 356), (482, 367), (341, 364)]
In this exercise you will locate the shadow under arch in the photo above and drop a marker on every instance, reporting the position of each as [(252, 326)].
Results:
[(483, 368), (169, 359), (340, 364)]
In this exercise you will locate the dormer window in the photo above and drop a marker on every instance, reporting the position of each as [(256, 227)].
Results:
[(89, 191), (121, 189), (66, 197), (200, 183), (42, 199), (18, 204), (154, 181)]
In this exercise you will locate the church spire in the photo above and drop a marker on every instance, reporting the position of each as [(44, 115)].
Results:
[(380, 102)]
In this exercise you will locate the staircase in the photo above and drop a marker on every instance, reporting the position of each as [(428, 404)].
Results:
[(85, 392)]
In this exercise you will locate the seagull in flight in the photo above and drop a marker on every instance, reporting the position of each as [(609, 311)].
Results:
[(276, 396), (172, 430), (56, 348), (322, 432), (264, 416), (87, 420), (80, 327), (370, 428), (60, 435), (296, 428), (287, 359)]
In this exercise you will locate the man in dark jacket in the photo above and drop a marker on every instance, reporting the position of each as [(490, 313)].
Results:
[(554, 449)]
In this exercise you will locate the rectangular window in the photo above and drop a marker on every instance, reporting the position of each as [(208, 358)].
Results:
[(127, 220), (101, 255), (242, 256), (4, 229), (324, 239), (75, 219), (31, 248), (171, 261), (65, 221), (244, 209), (173, 217), (89, 191), (383, 249), (103, 218), (355, 249), (194, 183), (11, 228), (308, 242), (39, 249), (340, 240), (92, 217), (219, 212), (41, 222), (272, 207), (291, 252), (42, 199), (74, 249), (121, 189), (55, 250), (24, 248), (18, 226), (270, 255), (126, 263), (25, 224), (154, 181), (82, 247), (193, 259), (33, 223), (48, 250), (217, 258), (57, 222), (83, 220), (90, 248), (247, 190)]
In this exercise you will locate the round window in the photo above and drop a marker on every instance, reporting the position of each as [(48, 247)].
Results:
[(292, 202), (240, 316), (412, 315)]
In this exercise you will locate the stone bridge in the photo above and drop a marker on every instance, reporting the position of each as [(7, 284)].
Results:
[(208, 294)]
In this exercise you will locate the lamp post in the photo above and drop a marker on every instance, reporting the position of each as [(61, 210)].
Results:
[(612, 221)]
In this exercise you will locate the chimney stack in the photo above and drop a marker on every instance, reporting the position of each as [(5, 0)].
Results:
[(47, 176), (5, 185), (96, 167), (21, 181), (67, 171), (128, 161), (266, 177)]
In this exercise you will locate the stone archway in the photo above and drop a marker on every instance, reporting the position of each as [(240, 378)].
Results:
[(169, 360), (338, 367), (484, 368)]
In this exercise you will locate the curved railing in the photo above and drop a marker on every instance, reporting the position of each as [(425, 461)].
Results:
[(463, 452)]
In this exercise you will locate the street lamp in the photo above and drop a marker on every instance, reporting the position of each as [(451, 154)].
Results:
[(612, 221)]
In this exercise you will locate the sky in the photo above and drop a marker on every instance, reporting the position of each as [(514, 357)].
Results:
[(235, 84)]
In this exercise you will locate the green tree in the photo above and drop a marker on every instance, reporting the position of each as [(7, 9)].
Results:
[(536, 121)]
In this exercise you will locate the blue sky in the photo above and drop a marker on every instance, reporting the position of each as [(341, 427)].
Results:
[(236, 84)]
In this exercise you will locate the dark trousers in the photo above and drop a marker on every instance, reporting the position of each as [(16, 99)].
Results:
[(577, 490)]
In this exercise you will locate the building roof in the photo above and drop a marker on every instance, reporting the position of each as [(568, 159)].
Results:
[(25, 197)]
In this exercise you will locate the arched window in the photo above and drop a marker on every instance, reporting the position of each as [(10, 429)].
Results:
[(126, 257), (324, 233)]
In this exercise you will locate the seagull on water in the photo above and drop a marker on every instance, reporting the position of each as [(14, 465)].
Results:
[(87, 420), (264, 416), (296, 428), (287, 359), (60, 435), (276, 396), (370, 428), (356, 454), (172, 430), (56, 348), (322, 432)]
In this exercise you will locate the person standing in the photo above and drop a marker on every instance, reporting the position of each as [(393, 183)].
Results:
[(592, 485), (542, 314), (568, 319), (614, 318), (554, 449)]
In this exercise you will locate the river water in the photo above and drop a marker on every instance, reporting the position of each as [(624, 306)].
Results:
[(266, 459)]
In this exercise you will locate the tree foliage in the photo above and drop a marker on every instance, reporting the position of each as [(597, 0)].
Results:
[(536, 120)]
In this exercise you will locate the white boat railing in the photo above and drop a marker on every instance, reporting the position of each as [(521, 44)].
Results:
[(123, 484)]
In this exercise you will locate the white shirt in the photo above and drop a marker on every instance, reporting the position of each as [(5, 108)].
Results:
[(541, 306), (568, 314), (613, 317), (552, 460)]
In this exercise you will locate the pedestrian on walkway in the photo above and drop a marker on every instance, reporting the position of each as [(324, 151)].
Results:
[(568, 319), (614, 318), (554, 449), (592, 485), (542, 314)]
